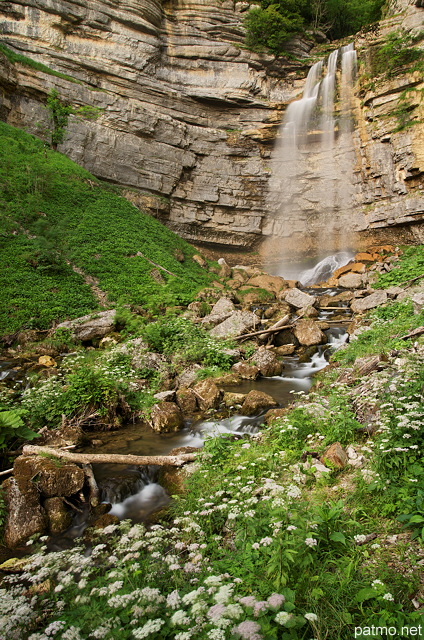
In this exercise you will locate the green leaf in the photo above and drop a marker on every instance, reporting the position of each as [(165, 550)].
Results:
[(365, 594), (337, 536)]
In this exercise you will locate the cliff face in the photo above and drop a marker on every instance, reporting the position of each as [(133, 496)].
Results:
[(186, 119)]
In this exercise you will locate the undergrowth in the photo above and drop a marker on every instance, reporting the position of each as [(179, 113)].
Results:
[(56, 213)]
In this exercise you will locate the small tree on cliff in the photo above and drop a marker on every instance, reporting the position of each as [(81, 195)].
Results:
[(59, 112)]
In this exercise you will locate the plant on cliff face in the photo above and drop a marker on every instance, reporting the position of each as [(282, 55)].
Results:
[(59, 112), (398, 51)]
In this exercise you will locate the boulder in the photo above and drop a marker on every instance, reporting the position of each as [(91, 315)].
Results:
[(236, 324), (351, 281), (270, 283), (165, 396), (46, 361), (352, 267), (335, 456), (285, 350), (221, 310), (227, 379), (286, 337), (187, 401), (25, 516), (172, 479), (418, 302), (208, 394), (199, 260), (188, 376), (51, 477), (267, 362), (308, 333), (58, 516), (92, 326), (166, 417), (224, 268), (369, 302), (245, 371), (299, 299), (231, 399), (256, 402)]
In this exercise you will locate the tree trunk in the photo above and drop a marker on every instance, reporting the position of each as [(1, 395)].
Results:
[(109, 458)]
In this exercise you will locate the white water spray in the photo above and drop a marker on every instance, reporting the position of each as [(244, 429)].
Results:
[(312, 185)]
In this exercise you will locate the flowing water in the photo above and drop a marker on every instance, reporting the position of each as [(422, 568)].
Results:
[(135, 492), (312, 184)]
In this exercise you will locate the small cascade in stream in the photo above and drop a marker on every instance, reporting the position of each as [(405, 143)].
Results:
[(312, 185), (324, 268)]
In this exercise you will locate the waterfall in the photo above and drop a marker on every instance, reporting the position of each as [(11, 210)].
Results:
[(312, 187)]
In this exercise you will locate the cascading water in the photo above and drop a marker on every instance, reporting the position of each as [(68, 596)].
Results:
[(312, 186)]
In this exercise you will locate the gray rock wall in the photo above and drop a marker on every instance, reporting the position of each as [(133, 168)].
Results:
[(187, 119)]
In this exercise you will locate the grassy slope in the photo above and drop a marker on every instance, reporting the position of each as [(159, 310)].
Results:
[(69, 215)]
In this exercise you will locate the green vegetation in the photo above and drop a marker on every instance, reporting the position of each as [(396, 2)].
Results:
[(13, 428), (56, 213), (13, 57), (59, 112), (398, 51), (270, 26), (409, 266)]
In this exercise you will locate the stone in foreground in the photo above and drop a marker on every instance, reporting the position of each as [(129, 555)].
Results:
[(166, 417), (256, 402), (235, 325)]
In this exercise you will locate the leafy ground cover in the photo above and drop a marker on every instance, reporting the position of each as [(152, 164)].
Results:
[(261, 546), (54, 212)]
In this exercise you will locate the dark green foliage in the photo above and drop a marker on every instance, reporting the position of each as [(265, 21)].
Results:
[(274, 23), (270, 29), (410, 265), (54, 211), (12, 428), (60, 112), (397, 52)]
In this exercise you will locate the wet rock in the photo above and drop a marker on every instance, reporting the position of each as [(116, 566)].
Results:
[(188, 376), (224, 268), (335, 456), (285, 337), (376, 299), (187, 401), (58, 516), (245, 371), (418, 302), (229, 378), (90, 327), (257, 401), (101, 523), (308, 333), (275, 284), (273, 415), (238, 323), (67, 435), (172, 479), (25, 516), (166, 417), (299, 299), (208, 394), (232, 399), (267, 362), (308, 312), (285, 350), (51, 477), (351, 281)]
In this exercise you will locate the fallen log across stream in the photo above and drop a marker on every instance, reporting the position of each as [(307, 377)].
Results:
[(109, 458)]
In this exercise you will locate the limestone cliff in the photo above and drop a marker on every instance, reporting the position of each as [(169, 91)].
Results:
[(186, 119)]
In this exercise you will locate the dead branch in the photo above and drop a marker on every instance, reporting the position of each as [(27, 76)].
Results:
[(94, 493), (111, 458), (413, 334), (6, 472), (278, 326)]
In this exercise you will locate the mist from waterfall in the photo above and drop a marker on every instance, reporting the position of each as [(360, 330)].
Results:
[(312, 184)]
